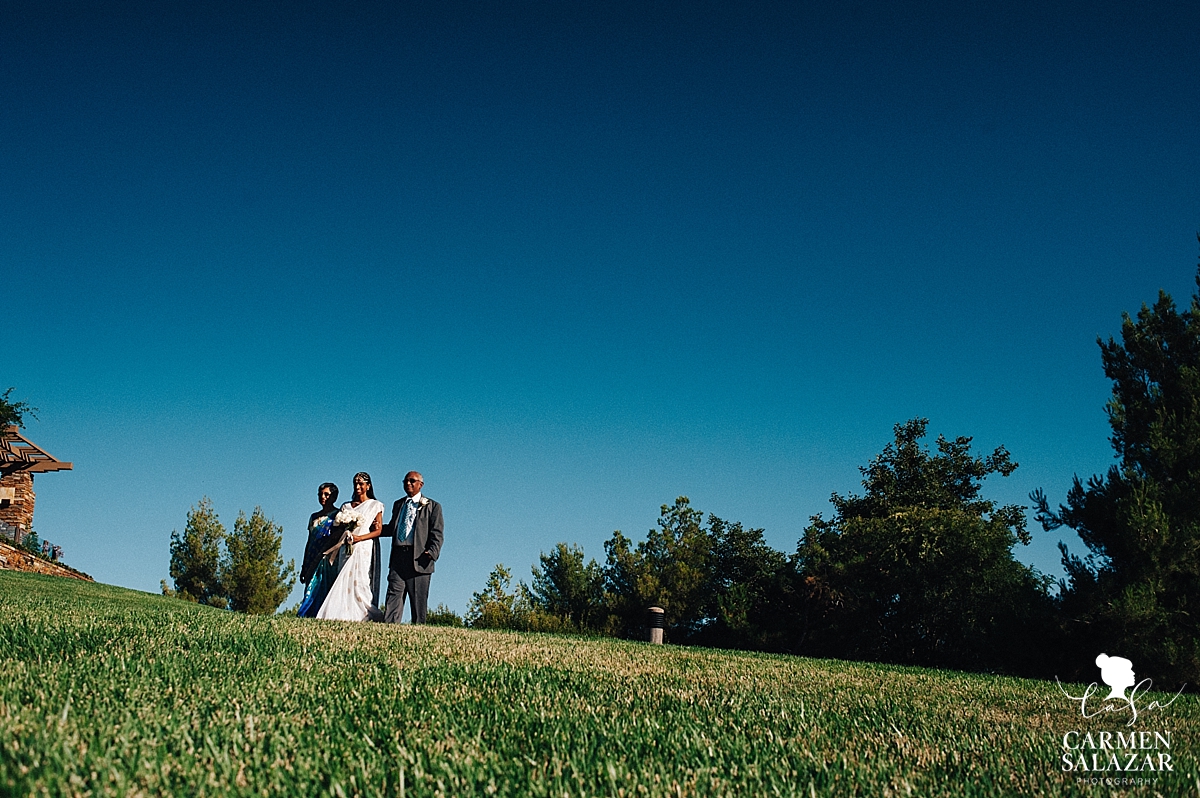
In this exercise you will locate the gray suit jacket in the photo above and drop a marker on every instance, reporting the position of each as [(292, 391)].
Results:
[(426, 535)]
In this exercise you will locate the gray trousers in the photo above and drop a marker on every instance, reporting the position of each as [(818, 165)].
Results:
[(403, 579), (375, 573)]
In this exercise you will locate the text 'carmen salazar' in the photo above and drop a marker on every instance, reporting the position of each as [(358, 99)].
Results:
[(1109, 751)]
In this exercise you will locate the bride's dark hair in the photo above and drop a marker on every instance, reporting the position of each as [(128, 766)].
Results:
[(370, 486)]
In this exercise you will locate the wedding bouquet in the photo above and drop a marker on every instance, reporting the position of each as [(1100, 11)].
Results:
[(347, 522)]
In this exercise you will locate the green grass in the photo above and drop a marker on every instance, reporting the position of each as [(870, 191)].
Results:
[(107, 691)]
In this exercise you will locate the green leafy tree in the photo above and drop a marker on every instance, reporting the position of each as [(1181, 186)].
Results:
[(919, 569), (1137, 592), (627, 589), (751, 590), (671, 569), (196, 558), (12, 413), (566, 587), (253, 574)]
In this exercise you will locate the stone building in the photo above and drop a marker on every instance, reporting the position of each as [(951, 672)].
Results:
[(20, 459)]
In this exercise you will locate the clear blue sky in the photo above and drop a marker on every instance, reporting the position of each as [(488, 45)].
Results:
[(572, 260)]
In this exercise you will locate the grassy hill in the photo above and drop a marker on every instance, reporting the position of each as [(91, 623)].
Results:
[(108, 691)]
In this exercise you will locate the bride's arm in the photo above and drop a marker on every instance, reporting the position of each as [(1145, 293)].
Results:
[(376, 528)]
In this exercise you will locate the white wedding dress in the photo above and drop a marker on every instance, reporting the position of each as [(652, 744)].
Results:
[(350, 597)]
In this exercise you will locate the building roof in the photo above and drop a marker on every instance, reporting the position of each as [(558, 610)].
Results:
[(19, 454)]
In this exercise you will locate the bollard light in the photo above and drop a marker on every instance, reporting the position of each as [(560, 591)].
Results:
[(657, 621)]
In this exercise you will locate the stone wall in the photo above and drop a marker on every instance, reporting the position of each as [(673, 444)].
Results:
[(13, 559), (19, 510)]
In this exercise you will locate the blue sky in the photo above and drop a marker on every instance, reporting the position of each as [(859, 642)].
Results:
[(572, 260)]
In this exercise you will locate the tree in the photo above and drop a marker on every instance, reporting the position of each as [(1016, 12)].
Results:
[(1137, 592), (718, 583), (919, 569), (564, 586), (496, 607), (196, 556), (253, 574), (751, 589), (12, 413), (671, 568), (500, 607)]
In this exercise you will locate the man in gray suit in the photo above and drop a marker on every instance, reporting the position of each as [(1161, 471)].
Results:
[(416, 533)]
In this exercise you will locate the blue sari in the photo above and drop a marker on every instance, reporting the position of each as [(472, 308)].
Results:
[(321, 537)]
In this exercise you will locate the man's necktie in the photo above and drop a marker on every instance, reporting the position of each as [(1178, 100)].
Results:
[(410, 514)]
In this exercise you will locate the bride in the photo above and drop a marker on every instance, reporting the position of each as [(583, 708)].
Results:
[(350, 598)]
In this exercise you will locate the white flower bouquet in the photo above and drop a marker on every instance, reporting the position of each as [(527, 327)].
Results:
[(347, 522)]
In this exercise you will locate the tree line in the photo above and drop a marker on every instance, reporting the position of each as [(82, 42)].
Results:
[(918, 569)]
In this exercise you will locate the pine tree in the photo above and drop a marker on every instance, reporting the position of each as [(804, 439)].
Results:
[(1137, 592), (496, 606), (564, 586), (196, 556), (253, 574)]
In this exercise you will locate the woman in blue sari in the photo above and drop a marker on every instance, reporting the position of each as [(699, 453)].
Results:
[(320, 569)]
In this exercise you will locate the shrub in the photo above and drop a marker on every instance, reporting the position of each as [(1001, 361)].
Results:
[(441, 615)]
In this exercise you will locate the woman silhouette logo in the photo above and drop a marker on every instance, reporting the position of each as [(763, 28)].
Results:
[(1117, 673)]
